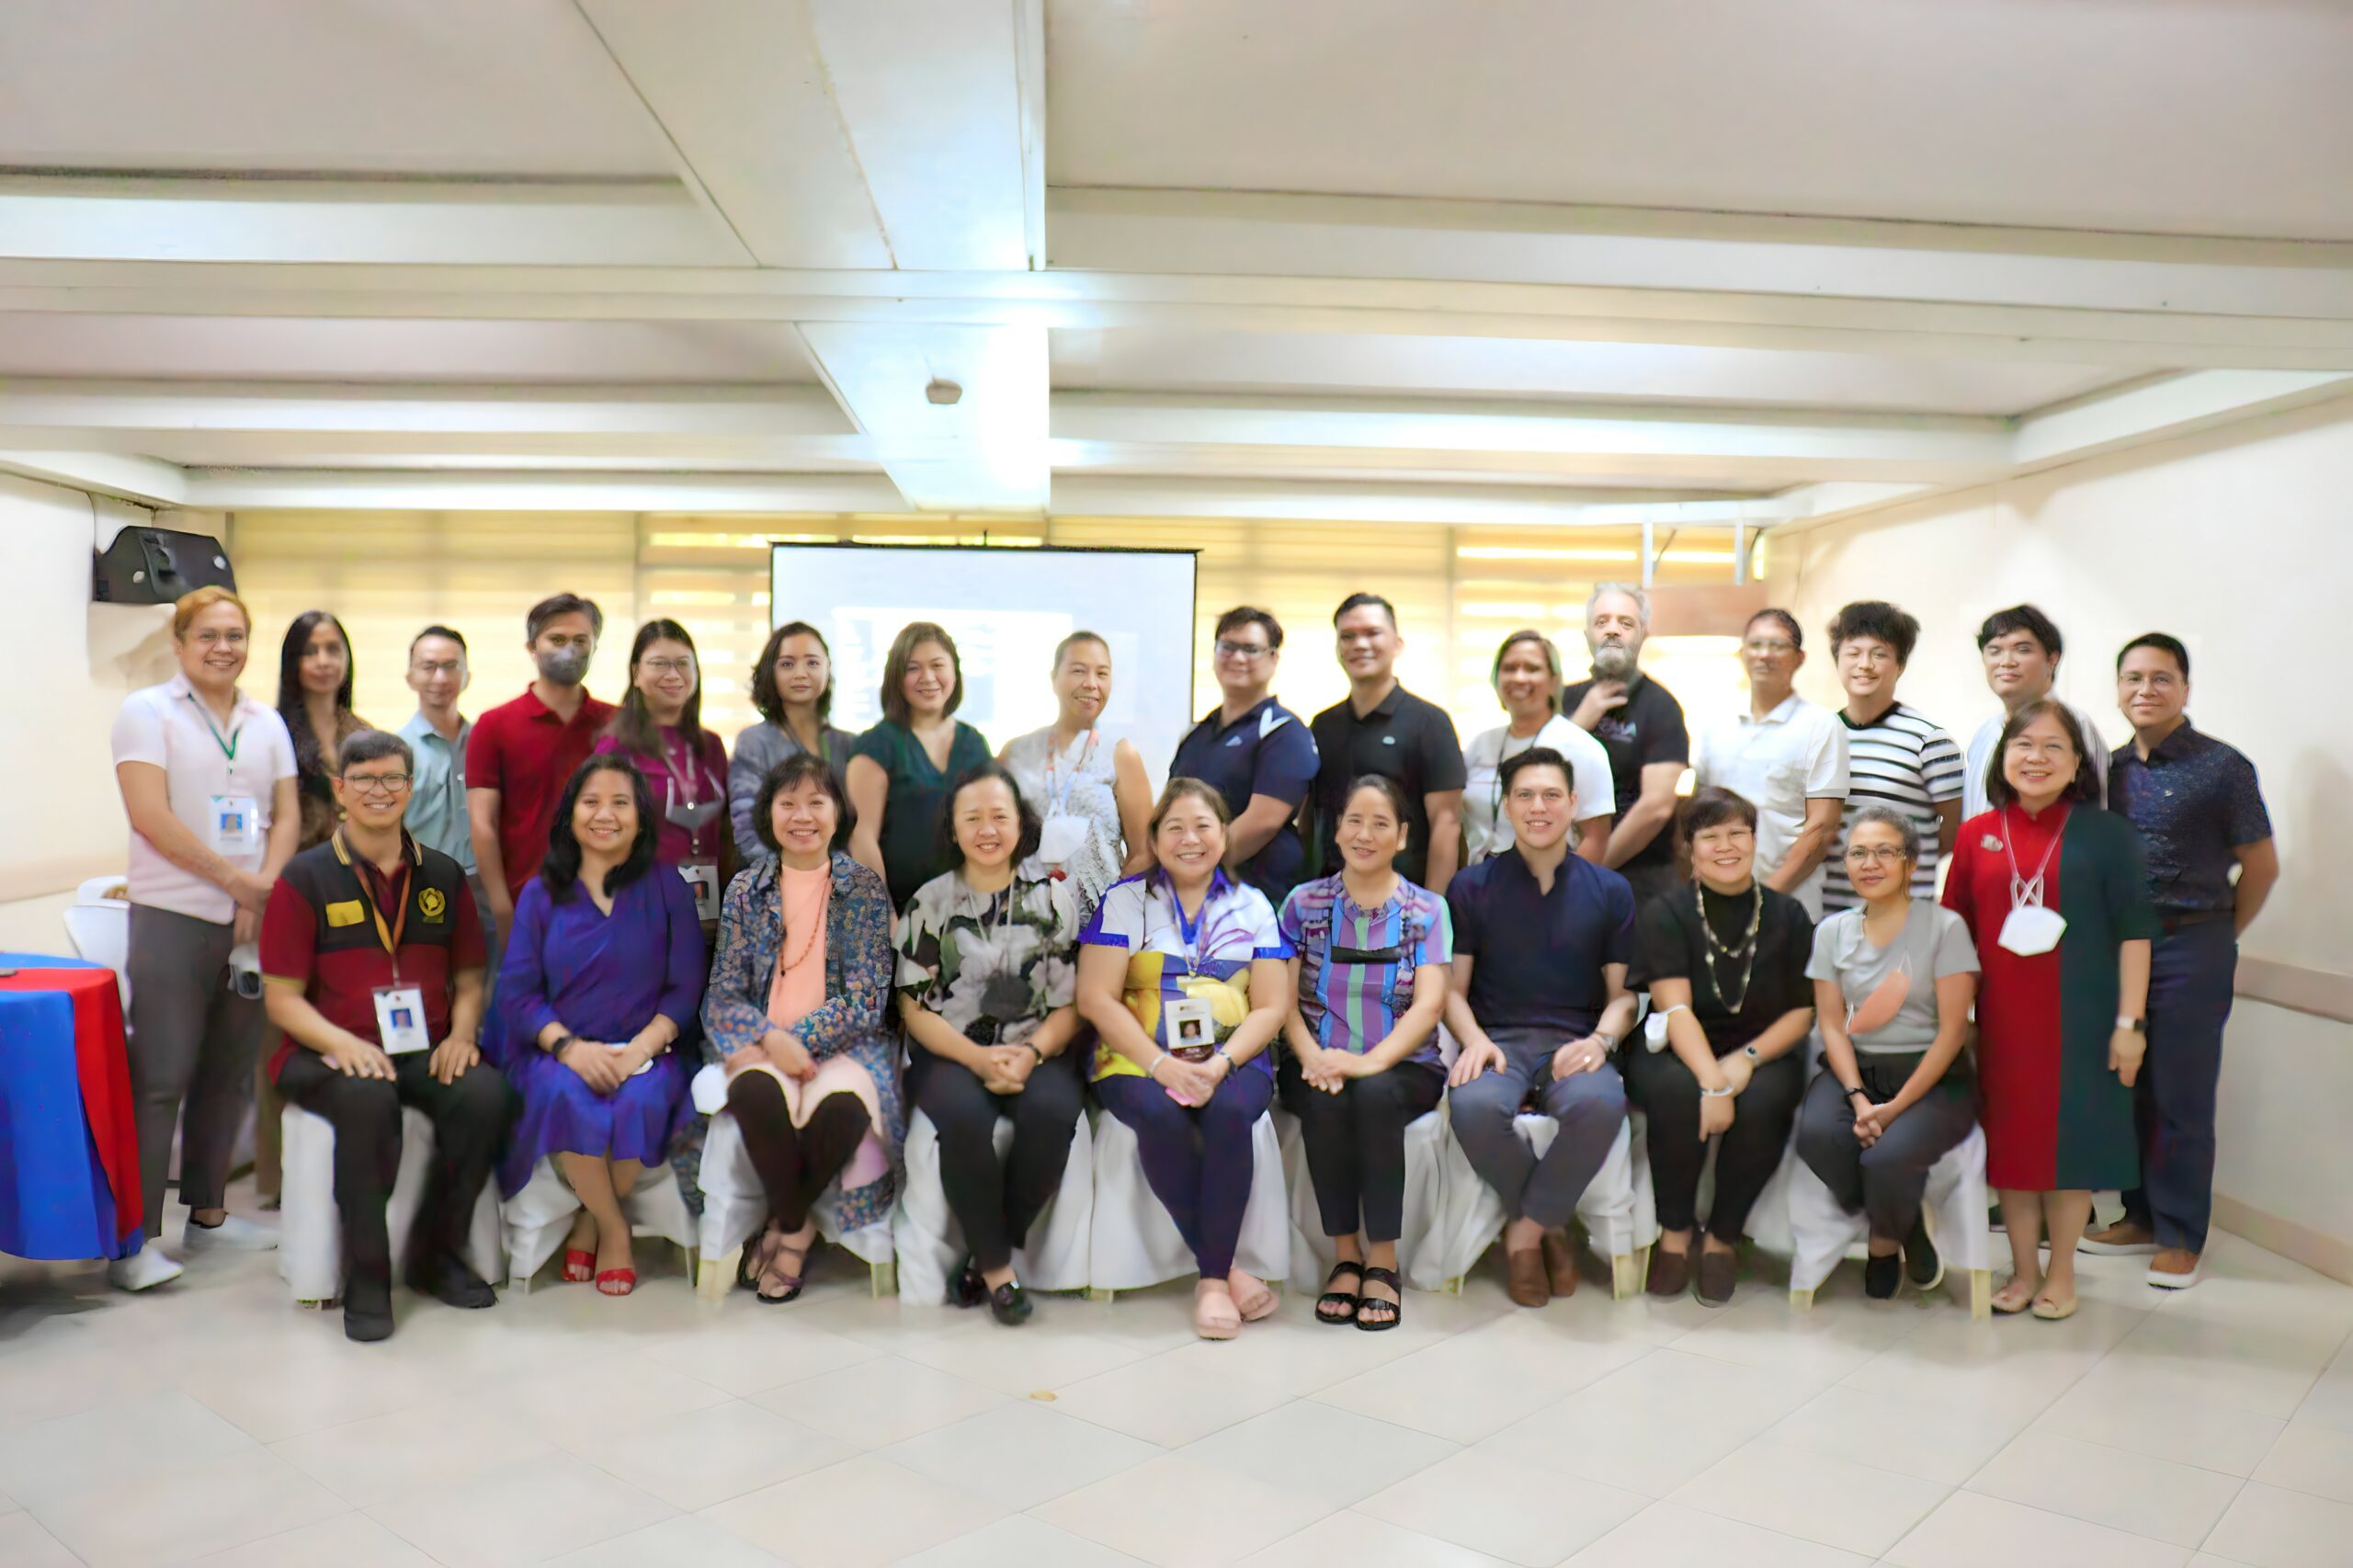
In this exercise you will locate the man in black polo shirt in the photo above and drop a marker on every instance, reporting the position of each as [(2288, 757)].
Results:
[(371, 953), (2200, 813), (1640, 724), (1256, 752), (1383, 728)]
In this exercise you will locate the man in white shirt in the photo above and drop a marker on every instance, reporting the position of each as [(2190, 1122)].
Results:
[(1787, 756), (2021, 647)]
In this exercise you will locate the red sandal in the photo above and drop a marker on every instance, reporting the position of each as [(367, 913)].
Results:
[(616, 1281), (579, 1266)]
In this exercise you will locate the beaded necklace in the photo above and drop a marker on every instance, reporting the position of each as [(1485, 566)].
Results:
[(1745, 952)]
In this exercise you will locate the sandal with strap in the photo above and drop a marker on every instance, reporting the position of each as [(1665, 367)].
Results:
[(579, 1266), (1396, 1309), (791, 1281), (1345, 1300)]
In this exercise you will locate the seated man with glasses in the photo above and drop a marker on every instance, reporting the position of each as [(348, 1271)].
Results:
[(371, 952)]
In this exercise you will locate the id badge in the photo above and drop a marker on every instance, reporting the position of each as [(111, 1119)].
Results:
[(2031, 929), (236, 824), (1191, 1027), (703, 876), (1060, 838), (400, 1019)]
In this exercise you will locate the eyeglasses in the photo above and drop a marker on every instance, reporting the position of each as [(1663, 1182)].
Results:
[(429, 669), (1770, 647), (668, 666), (1229, 650), (377, 783), (1886, 855)]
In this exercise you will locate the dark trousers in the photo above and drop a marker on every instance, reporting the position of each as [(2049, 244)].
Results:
[(192, 1038), (1886, 1180), (470, 1121), (2191, 974), (997, 1204), (796, 1164), (1748, 1153), (1198, 1159), (1589, 1106), (1355, 1142)]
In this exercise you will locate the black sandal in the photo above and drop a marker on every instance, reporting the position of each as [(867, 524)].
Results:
[(1396, 1309), (761, 1257), (1345, 1300)]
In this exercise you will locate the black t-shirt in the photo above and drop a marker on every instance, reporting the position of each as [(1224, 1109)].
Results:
[(1672, 946), (1402, 738), (1645, 728)]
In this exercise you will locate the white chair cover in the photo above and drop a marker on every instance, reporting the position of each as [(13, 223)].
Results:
[(1823, 1233), (101, 932), (1616, 1210), (735, 1207), (930, 1243), (1421, 1250), (539, 1216), (309, 1225), (1134, 1242)]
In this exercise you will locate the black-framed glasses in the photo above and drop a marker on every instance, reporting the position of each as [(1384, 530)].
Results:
[(377, 783)]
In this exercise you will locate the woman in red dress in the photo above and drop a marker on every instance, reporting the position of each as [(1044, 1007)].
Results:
[(2055, 894)]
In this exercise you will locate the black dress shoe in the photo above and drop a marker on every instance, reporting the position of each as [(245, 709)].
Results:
[(1882, 1276), (451, 1280), (968, 1288), (1010, 1304), (367, 1309)]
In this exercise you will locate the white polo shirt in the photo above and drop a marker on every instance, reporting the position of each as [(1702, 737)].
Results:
[(168, 726), (1989, 736), (1486, 829), (1795, 754)]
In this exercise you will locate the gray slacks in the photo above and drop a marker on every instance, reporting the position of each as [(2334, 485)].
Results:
[(1590, 1108), (192, 1038)]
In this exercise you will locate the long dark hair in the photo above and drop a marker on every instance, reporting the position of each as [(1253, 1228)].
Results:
[(632, 722), (765, 696), (310, 758), (561, 870), (944, 845)]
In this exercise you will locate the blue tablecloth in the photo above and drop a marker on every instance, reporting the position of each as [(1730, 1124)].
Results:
[(55, 1200)]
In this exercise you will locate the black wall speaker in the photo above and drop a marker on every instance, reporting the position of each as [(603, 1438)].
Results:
[(156, 566)]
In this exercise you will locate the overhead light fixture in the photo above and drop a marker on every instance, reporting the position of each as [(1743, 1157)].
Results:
[(945, 393)]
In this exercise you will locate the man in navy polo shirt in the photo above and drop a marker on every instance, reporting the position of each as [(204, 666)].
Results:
[(1256, 752), (372, 954), (1542, 942)]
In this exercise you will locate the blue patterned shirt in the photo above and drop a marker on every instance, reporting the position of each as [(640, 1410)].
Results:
[(2195, 802), (1357, 966)]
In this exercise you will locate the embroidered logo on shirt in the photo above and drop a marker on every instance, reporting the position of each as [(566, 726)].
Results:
[(1389, 740), (433, 905), (348, 913), (1235, 742)]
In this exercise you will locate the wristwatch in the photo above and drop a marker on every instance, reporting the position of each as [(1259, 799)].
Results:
[(1750, 1051), (556, 1047), (1608, 1041), (2138, 1026)]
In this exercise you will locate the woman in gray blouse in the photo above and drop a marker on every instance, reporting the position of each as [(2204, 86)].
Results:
[(793, 687), (1894, 982)]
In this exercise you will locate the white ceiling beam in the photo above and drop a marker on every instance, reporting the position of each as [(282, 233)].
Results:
[(2173, 406), (774, 411), (984, 452), (129, 477), (510, 223), (1483, 506), (535, 492)]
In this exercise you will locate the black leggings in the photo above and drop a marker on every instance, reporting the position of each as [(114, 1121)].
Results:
[(1356, 1141), (796, 1164), (1751, 1148), (997, 1204)]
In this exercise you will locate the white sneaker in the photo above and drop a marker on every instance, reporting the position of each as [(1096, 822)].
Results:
[(231, 1234), (148, 1267)]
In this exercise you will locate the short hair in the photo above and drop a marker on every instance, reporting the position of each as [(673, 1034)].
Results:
[(1067, 643), (912, 636), (1387, 788), (1250, 614), (2022, 618), (1886, 816), (1518, 763), (1634, 591), (1179, 788), (188, 606), (947, 852), (561, 870), (437, 630), (2083, 786), (373, 745), (1358, 601), (794, 771), (2162, 643), (1789, 623), (547, 609), (1878, 618), (765, 696), (1552, 660), (1714, 807)]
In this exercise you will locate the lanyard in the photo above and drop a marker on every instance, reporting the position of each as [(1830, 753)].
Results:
[(229, 746), (390, 935), (1056, 798), (1192, 932), (2025, 890)]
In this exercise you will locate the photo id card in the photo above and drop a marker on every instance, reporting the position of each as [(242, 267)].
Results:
[(1192, 1027), (702, 876), (236, 824), (400, 1019)]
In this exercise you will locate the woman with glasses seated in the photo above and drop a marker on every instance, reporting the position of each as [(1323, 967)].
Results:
[(602, 977), (1892, 983), (658, 727)]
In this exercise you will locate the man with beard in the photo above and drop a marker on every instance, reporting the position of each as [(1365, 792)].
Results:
[(522, 753), (1640, 724)]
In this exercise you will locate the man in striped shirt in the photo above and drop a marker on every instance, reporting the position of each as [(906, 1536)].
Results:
[(1895, 755)]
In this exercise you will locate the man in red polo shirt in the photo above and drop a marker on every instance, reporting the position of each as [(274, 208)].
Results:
[(522, 752), (372, 955)]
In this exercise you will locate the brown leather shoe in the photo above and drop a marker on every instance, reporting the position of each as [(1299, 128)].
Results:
[(2176, 1268), (1670, 1272), (1560, 1263), (1526, 1284), (2123, 1239), (1717, 1272)]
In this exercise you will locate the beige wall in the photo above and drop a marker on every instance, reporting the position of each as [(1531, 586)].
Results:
[(2235, 541)]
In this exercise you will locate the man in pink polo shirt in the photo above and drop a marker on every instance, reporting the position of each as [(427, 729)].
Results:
[(522, 753)]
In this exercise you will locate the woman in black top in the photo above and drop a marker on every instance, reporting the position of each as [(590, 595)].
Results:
[(1725, 961)]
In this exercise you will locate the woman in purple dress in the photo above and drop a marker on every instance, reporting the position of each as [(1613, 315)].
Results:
[(603, 977)]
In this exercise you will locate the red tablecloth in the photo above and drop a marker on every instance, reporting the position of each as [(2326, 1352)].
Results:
[(101, 1064)]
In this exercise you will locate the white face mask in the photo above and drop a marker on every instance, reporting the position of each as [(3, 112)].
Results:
[(2031, 929)]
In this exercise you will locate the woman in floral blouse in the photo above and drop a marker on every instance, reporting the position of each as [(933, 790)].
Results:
[(796, 1014), (987, 973)]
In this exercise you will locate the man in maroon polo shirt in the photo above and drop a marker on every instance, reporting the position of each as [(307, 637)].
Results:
[(372, 956), (522, 752)]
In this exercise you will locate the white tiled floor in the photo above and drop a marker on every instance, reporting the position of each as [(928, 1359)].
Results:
[(214, 1420)]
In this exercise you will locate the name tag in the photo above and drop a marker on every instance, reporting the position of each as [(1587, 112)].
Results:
[(400, 1019), (702, 876), (235, 822), (1191, 1027), (349, 912)]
